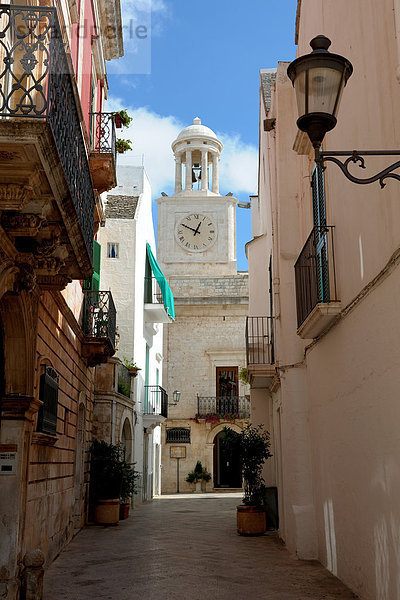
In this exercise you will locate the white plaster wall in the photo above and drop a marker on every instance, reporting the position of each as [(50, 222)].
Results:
[(125, 277)]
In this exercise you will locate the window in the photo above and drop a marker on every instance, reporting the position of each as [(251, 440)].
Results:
[(112, 250), (180, 435), (48, 394)]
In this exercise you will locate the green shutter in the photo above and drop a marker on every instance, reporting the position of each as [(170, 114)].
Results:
[(94, 282)]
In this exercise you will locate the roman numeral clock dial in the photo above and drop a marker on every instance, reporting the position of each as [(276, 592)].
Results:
[(196, 232)]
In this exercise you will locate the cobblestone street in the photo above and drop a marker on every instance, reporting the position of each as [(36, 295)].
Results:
[(184, 548)]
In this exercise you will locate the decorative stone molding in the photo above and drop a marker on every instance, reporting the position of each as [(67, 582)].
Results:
[(44, 439), (48, 247), (14, 196), (22, 224), (49, 266), (53, 282), (26, 278)]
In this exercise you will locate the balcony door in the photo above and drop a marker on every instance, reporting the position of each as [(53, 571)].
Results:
[(227, 390), (320, 233)]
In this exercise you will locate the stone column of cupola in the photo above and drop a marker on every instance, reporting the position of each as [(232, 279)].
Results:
[(188, 162), (215, 178), (178, 174), (204, 170)]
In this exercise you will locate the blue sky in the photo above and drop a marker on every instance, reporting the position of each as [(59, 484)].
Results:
[(205, 61)]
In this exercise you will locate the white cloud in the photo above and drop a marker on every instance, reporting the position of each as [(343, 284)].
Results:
[(152, 134)]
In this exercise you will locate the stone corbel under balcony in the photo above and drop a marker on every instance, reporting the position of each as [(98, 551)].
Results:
[(319, 319), (260, 376)]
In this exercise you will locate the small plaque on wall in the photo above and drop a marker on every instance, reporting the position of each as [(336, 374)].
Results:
[(177, 451)]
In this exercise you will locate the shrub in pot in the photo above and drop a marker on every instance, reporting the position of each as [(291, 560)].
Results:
[(128, 488), (199, 476), (106, 471), (253, 444)]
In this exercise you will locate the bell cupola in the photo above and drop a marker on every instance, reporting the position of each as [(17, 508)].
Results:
[(197, 150)]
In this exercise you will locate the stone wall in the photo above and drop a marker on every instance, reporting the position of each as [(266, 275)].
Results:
[(53, 492)]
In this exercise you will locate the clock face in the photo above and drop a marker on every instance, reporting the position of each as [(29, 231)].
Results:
[(196, 232)]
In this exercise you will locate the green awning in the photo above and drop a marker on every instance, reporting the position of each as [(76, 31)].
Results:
[(168, 298)]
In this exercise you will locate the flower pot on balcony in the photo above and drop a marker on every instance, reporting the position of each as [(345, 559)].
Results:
[(133, 372), (118, 121), (250, 520)]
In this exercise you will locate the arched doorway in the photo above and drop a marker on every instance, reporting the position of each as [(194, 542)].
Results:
[(127, 440), (227, 473)]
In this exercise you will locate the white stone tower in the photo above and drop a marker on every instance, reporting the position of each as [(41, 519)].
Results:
[(197, 226)]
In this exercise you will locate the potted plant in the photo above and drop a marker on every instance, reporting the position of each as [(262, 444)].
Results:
[(121, 118), (243, 375), (106, 470), (253, 444), (131, 366), (128, 488), (123, 145), (198, 476)]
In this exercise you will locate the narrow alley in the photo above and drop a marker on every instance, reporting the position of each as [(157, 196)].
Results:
[(184, 548)]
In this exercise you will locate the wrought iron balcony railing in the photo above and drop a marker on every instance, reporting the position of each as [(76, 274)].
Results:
[(99, 316), (102, 134), (315, 273), (36, 83), (238, 406), (260, 340), (152, 292), (156, 401)]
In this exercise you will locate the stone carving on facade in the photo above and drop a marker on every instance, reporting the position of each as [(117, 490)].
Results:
[(14, 196), (49, 264), (5, 155), (26, 278), (48, 247), (22, 224)]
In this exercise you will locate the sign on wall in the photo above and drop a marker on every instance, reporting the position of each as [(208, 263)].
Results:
[(8, 459), (177, 451)]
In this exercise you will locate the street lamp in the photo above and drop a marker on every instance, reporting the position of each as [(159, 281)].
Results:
[(319, 79), (176, 397)]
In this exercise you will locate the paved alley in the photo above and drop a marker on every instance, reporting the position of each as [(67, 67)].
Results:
[(184, 548)]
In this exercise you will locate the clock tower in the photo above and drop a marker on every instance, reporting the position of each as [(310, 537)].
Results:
[(204, 348), (197, 226)]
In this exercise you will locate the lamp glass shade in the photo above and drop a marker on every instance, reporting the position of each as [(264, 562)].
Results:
[(318, 90), (176, 396)]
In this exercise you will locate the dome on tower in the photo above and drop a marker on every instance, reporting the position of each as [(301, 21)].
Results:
[(197, 130)]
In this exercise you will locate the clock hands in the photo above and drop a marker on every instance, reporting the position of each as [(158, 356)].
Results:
[(187, 227), (191, 228), (197, 228)]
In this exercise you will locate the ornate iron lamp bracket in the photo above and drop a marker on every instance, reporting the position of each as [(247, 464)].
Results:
[(355, 156)]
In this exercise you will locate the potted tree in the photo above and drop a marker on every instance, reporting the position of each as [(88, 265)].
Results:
[(253, 444), (128, 488), (106, 469)]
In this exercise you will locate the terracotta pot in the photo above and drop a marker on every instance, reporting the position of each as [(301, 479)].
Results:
[(118, 121), (133, 372), (124, 510), (106, 512), (250, 520)]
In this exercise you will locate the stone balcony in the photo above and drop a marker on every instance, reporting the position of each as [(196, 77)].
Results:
[(47, 199)]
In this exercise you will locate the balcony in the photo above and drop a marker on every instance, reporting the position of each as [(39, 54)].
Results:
[(46, 193), (260, 351), (154, 308), (103, 152), (315, 275), (98, 326), (227, 407), (156, 406)]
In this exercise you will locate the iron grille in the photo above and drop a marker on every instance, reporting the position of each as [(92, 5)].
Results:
[(260, 340), (152, 292), (238, 406), (35, 82), (178, 435), (48, 394), (102, 134), (156, 401), (99, 315), (315, 273)]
